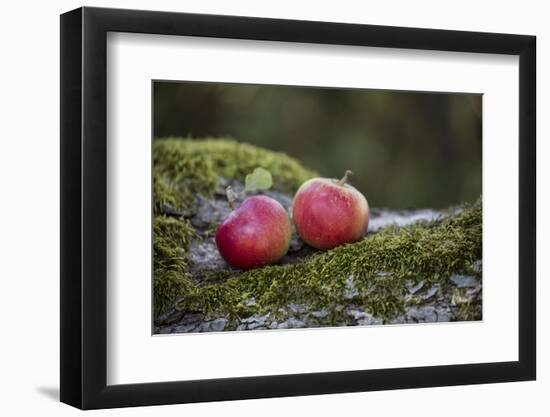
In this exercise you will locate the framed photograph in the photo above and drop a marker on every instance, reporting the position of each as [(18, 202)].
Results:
[(257, 208)]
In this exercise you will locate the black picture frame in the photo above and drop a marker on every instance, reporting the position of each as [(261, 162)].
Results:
[(84, 207)]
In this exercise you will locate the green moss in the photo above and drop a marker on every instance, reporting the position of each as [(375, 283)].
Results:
[(164, 194), (179, 175), (380, 264), (171, 240), (184, 168)]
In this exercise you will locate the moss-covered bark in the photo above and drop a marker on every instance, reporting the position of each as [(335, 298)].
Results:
[(171, 242), (186, 168), (380, 265)]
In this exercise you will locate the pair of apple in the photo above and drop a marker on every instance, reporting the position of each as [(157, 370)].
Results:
[(326, 212)]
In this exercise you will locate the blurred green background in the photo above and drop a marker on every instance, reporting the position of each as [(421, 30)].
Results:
[(407, 149)]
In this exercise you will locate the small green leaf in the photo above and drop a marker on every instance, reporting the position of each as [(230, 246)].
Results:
[(260, 179)]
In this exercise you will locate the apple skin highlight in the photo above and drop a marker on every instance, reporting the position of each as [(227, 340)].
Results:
[(255, 234), (329, 213)]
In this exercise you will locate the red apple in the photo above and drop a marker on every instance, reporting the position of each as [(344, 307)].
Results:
[(328, 213), (255, 234)]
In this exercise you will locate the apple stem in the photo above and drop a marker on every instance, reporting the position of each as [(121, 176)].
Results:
[(231, 196), (345, 177)]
